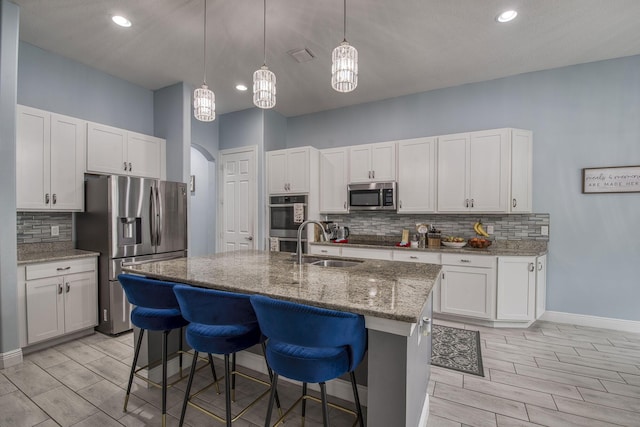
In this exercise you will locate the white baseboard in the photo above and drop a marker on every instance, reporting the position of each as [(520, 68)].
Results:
[(10, 358), (424, 416), (592, 321), (338, 388)]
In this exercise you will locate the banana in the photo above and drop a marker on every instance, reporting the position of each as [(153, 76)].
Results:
[(479, 229)]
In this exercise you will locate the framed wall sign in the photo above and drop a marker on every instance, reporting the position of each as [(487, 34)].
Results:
[(617, 179)]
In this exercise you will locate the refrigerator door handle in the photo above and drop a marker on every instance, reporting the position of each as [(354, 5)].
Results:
[(152, 217), (159, 218)]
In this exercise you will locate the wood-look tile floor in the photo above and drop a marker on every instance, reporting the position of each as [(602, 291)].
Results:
[(549, 374)]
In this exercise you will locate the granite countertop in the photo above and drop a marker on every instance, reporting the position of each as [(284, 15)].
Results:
[(384, 289), (46, 252), (497, 248)]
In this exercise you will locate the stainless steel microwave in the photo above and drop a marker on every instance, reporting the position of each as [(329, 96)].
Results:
[(373, 196)]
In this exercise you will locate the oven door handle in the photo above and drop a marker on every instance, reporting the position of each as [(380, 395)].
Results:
[(287, 205)]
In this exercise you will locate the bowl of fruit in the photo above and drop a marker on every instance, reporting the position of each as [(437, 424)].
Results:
[(479, 242), (454, 242)]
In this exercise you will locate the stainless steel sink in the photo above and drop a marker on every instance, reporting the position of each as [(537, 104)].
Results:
[(335, 263)]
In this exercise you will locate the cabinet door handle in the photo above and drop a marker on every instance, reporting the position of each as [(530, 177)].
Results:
[(129, 166), (63, 268), (324, 251), (442, 276), (67, 287), (369, 174), (466, 203), (465, 260), (59, 288), (539, 266), (46, 199), (345, 205), (471, 202), (373, 173), (400, 204), (531, 267), (55, 199), (413, 257), (515, 203), (125, 166)]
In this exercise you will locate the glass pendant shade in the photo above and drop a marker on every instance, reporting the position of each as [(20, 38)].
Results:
[(264, 88), (204, 104), (344, 68)]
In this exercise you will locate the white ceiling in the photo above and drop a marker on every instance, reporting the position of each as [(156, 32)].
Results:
[(404, 46)]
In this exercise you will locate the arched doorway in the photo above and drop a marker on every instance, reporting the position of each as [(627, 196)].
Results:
[(202, 215)]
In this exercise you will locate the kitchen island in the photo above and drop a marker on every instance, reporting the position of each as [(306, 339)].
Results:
[(394, 297)]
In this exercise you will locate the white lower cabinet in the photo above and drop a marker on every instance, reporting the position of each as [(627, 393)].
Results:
[(516, 288), (384, 254), (59, 298), (467, 291), (541, 285)]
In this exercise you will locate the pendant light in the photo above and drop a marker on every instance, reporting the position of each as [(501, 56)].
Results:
[(264, 81), (344, 68), (204, 101)]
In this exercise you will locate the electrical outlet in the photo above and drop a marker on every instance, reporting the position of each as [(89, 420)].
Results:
[(55, 230), (489, 229), (544, 230)]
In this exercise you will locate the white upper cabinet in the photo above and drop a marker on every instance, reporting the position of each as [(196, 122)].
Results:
[(288, 170), (116, 151), (521, 170), (334, 178), (50, 156), (473, 171), (372, 162), (417, 175)]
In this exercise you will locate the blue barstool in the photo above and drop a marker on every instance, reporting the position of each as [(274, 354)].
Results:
[(311, 345), (156, 309), (220, 323)]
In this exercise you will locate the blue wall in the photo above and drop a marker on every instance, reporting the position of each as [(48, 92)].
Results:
[(54, 83), (9, 24), (172, 118), (581, 116)]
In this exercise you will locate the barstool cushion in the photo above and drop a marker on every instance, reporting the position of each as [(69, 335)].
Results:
[(221, 322), (310, 344), (223, 339), (156, 306), (307, 364), (157, 319)]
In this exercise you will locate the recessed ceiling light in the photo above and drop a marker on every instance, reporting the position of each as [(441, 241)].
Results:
[(121, 20), (506, 16), (241, 87)]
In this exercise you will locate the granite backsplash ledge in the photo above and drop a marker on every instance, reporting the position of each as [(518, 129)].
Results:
[(506, 226)]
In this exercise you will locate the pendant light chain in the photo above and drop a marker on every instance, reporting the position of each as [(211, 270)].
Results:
[(344, 64), (204, 100), (344, 38), (204, 49), (264, 81)]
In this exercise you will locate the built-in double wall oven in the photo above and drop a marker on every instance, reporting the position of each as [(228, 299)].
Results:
[(284, 220)]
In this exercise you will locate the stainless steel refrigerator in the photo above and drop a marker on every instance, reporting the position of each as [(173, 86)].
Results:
[(129, 220)]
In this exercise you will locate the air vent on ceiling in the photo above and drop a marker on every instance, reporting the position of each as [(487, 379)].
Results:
[(302, 55)]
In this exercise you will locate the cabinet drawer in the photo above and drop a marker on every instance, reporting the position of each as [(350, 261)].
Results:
[(324, 250), (385, 254), (469, 260), (59, 268), (416, 256)]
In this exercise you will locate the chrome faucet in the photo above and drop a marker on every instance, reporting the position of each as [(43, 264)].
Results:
[(299, 247)]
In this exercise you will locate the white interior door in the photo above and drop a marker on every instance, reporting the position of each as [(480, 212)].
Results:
[(238, 202)]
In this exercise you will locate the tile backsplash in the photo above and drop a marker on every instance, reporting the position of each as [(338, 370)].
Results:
[(506, 227), (35, 227)]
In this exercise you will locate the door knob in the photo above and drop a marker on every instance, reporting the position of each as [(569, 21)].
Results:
[(249, 238)]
